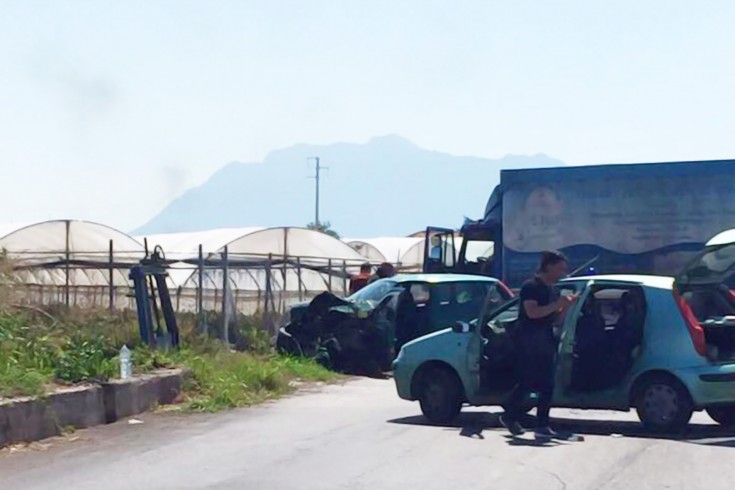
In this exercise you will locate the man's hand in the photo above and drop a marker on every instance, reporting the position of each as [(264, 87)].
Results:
[(568, 300)]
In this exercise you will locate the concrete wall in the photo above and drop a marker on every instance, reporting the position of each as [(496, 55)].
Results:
[(30, 419)]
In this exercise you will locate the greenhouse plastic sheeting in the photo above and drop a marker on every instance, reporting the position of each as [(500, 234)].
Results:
[(309, 246), (52, 241)]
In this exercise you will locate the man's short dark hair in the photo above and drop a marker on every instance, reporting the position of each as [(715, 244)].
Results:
[(366, 267), (549, 258)]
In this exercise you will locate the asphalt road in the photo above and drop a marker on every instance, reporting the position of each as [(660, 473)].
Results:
[(361, 436)]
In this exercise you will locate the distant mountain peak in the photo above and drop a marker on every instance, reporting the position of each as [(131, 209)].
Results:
[(425, 188), (391, 139)]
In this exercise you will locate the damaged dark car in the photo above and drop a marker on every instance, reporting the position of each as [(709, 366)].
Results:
[(362, 333)]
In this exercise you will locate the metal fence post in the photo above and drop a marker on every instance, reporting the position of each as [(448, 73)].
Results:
[(329, 267), (200, 294), (225, 289), (298, 278), (67, 257), (112, 280)]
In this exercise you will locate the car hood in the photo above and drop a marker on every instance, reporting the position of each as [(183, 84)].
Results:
[(360, 309)]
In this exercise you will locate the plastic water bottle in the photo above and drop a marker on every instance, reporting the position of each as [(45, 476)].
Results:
[(126, 363)]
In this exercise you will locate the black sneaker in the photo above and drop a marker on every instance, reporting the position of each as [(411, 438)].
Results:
[(513, 427), (545, 434)]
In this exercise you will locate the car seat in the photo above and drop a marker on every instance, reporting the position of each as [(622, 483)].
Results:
[(590, 347), (627, 335)]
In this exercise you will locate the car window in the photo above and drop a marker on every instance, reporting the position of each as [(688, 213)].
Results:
[(712, 267), (375, 291), (421, 293), (477, 250), (444, 310), (509, 311), (504, 316)]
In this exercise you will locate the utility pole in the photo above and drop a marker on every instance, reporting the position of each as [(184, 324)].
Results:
[(316, 179), (316, 206)]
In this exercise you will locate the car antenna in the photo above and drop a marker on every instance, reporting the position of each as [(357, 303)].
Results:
[(583, 266)]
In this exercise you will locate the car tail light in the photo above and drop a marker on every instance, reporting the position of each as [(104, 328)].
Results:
[(695, 329)]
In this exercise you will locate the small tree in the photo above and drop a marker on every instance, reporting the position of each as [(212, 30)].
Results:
[(324, 227)]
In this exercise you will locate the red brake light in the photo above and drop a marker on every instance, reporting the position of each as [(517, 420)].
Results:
[(695, 329)]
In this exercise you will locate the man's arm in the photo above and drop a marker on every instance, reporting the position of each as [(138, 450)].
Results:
[(534, 311), (561, 306)]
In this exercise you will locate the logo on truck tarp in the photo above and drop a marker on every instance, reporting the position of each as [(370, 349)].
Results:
[(628, 216)]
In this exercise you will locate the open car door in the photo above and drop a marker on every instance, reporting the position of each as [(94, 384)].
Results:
[(439, 251), (705, 289)]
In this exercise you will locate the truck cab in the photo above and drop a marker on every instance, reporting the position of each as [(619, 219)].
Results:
[(472, 251)]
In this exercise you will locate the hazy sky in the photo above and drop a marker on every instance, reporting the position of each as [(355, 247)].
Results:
[(108, 109)]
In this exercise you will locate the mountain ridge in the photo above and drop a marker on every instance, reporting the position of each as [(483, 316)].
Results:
[(386, 186)]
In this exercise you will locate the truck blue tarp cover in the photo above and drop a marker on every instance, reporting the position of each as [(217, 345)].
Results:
[(645, 218)]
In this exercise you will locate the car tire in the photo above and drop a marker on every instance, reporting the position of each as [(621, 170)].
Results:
[(440, 396), (724, 416), (663, 404)]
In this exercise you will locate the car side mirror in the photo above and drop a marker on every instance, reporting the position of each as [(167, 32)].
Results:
[(462, 327)]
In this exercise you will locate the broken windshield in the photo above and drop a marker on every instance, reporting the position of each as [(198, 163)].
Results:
[(374, 292)]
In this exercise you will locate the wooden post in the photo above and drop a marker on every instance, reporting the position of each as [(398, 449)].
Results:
[(225, 311)]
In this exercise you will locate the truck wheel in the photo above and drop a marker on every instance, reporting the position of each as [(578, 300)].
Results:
[(440, 396), (723, 415), (663, 404)]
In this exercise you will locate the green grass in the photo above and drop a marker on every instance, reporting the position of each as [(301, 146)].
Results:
[(39, 351), (222, 379)]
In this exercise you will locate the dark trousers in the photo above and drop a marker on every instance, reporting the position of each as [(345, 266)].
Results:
[(519, 401), (536, 370)]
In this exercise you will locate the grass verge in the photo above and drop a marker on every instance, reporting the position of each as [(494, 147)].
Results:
[(38, 352)]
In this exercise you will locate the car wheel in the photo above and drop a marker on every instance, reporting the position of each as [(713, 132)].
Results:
[(723, 415), (440, 396), (663, 404)]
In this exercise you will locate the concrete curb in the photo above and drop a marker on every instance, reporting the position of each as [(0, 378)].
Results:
[(30, 419)]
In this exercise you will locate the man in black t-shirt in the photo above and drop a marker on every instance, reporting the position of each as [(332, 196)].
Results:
[(541, 308)]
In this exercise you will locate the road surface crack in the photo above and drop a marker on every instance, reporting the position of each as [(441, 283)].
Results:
[(552, 474)]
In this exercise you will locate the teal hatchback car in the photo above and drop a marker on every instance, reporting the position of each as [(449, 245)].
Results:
[(663, 346)]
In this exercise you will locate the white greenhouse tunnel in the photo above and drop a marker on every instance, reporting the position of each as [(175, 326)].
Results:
[(58, 241), (310, 248), (298, 262), (408, 252), (77, 261)]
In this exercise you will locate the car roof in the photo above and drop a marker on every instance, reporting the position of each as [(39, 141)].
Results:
[(724, 238), (438, 278), (659, 282)]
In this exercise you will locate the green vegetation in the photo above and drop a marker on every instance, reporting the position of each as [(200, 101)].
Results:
[(40, 349), (324, 227)]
